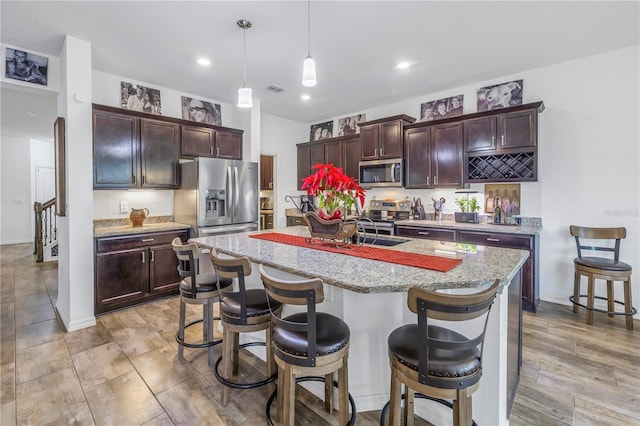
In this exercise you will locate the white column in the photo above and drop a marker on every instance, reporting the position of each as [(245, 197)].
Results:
[(75, 230)]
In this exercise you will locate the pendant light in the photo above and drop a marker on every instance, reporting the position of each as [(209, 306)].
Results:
[(309, 65), (244, 93)]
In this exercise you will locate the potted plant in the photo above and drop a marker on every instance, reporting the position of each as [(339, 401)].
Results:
[(337, 193), (468, 210)]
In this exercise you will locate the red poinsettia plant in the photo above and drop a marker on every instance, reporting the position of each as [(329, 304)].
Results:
[(337, 193)]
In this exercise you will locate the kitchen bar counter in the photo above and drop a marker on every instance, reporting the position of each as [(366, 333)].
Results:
[(108, 231), (370, 296)]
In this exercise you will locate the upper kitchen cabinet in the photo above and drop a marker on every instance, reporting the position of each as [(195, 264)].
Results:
[(383, 138), (266, 172), (133, 151), (200, 141), (303, 162), (341, 151), (504, 131)]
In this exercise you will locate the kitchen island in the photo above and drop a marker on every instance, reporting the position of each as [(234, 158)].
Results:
[(370, 295)]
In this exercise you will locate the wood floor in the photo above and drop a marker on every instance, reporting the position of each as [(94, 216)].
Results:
[(125, 371)]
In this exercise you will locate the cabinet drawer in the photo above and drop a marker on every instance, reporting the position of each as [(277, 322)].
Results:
[(426, 233), (295, 221), (495, 239), (139, 240)]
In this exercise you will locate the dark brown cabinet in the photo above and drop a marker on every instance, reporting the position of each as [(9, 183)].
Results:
[(351, 160), (504, 131), (228, 144), (342, 151), (266, 172), (135, 268), (296, 221), (200, 141), (383, 138), (433, 156), (134, 152), (303, 162)]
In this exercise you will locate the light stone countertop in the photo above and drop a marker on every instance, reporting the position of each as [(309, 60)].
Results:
[(108, 231), (372, 276), (484, 227)]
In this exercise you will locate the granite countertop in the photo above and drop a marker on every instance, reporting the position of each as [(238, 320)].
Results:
[(293, 213), (107, 231), (372, 276), (485, 227)]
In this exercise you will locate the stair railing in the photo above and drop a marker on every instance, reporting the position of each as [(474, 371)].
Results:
[(46, 226)]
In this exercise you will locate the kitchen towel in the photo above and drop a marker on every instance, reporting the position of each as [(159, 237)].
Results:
[(424, 261)]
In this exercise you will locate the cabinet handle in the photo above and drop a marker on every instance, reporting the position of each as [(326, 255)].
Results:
[(428, 180), (153, 256), (381, 152), (502, 140), (270, 184), (493, 140), (375, 152), (143, 179), (142, 253), (147, 240), (423, 233), (134, 179), (218, 152), (435, 180), (211, 151), (497, 240)]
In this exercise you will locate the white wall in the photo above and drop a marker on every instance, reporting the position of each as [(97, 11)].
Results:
[(106, 203), (15, 196), (588, 156)]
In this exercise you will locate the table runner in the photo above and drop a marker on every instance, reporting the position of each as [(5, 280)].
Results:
[(424, 261)]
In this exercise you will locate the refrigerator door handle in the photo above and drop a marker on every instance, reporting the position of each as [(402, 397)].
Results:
[(230, 191), (236, 194)]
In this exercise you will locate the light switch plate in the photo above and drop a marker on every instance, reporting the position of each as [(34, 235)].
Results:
[(124, 206)]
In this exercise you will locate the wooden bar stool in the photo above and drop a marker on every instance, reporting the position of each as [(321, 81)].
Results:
[(309, 343), (241, 311), (603, 268), (200, 289), (435, 362)]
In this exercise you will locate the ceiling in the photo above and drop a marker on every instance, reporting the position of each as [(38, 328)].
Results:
[(356, 45)]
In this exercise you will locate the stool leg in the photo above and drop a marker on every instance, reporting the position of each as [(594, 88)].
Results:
[(576, 291), (210, 329), (289, 397), (590, 299), (279, 395), (462, 409), (271, 364), (610, 299), (343, 392), (395, 400), (408, 406), (236, 348), (328, 392), (628, 307), (181, 330), (227, 361)]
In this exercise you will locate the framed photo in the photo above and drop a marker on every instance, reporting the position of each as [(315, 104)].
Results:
[(500, 96), (25, 66), (349, 125), (442, 108), (321, 131), (201, 111), (140, 98), (59, 154)]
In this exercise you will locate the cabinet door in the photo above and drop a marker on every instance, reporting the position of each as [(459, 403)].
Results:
[(518, 129), (390, 142), (228, 145), (418, 158), (480, 134), (446, 155), (351, 164), (115, 150), (121, 276), (316, 154), (160, 152), (163, 269), (369, 142), (196, 141), (304, 162), (268, 221), (333, 153), (266, 172)]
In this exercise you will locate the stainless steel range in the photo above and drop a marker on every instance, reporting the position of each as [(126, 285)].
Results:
[(384, 213)]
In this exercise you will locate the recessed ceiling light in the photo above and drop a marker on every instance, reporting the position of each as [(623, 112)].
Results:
[(204, 61), (403, 65), (305, 97)]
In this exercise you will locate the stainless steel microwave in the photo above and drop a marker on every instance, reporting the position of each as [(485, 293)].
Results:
[(379, 173)]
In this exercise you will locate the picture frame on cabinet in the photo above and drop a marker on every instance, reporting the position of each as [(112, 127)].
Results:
[(140, 98), (26, 66), (201, 111), (350, 125), (501, 95), (442, 108), (321, 131), (60, 166)]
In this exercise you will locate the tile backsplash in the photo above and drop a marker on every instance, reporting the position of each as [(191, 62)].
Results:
[(106, 203)]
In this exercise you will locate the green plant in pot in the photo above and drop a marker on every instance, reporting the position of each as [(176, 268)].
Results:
[(469, 208)]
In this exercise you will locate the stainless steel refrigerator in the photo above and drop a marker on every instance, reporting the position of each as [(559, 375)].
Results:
[(217, 196)]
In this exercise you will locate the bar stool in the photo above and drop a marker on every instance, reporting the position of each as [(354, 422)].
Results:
[(242, 311), (199, 289), (307, 343), (435, 362), (604, 268)]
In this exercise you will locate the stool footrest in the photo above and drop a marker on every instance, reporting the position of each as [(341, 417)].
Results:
[(196, 345), (386, 407), (352, 403), (604, 311), (235, 385)]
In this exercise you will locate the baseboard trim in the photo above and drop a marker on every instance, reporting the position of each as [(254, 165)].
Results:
[(6, 243), (69, 325)]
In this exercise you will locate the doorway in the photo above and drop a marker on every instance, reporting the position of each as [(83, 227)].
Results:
[(267, 191)]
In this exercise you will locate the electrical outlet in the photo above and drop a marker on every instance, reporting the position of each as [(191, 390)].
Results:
[(124, 207)]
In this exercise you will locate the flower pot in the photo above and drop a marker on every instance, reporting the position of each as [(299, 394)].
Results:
[(467, 217)]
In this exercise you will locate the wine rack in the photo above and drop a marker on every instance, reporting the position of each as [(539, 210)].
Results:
[(505, 167)]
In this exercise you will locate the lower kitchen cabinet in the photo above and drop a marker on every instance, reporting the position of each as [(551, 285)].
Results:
[(135, 268), (296, 221)]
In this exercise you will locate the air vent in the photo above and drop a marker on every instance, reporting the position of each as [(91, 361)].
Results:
[(275, 88)]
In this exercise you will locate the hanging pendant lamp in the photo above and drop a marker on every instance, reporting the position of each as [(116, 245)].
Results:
[(245, 99), (309, 65)]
